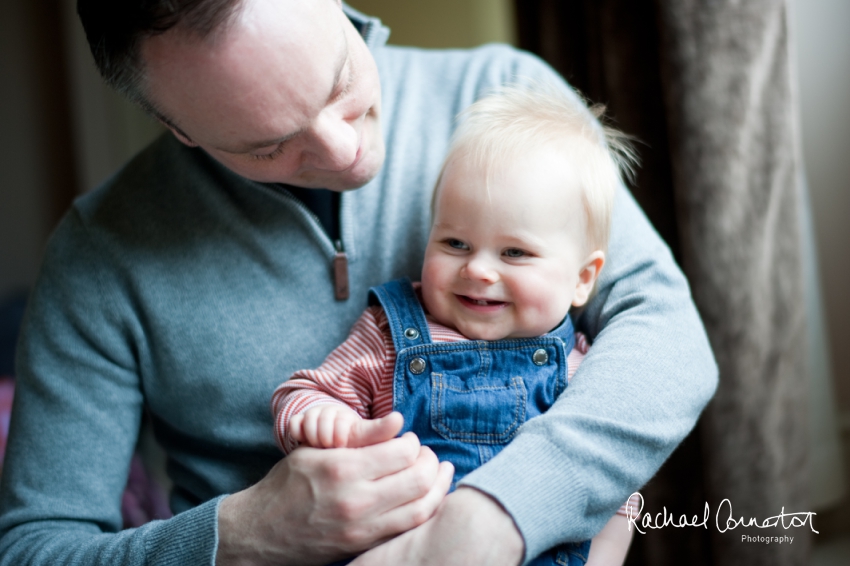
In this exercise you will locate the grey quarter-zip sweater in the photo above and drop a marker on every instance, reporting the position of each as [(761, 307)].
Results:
[(181, 289)]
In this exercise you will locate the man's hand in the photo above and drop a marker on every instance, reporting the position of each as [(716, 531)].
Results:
[(316, 506), (469, 527), (328, 426)]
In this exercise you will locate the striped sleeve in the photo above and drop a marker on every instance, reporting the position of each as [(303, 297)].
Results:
[(353, 375), (631, 508)]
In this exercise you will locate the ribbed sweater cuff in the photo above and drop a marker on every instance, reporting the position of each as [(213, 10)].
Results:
[(188, 539), (539, 487)]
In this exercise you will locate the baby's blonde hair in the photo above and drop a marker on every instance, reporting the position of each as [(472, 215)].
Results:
[(514, 119)]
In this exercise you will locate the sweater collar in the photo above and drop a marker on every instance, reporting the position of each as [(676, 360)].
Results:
[(374, 33)]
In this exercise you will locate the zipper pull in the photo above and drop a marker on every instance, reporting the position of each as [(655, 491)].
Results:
[(340, 267)]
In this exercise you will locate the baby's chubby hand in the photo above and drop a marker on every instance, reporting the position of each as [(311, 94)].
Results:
[(338, 426), (324, 426)]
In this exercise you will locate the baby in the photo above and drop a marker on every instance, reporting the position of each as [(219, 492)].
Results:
[(520, 222)]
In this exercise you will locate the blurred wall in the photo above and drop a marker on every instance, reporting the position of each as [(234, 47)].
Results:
[(23, 222), (35, 170), (108, 130), (443, 23), (63, 130)]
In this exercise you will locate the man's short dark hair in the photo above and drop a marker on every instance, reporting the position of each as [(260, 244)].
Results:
[(115, 30)]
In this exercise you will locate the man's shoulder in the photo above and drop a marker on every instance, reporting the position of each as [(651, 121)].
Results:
[(442, 82), (134, 204), (163, 186), (494, 51), (152, 173), (495, 63)]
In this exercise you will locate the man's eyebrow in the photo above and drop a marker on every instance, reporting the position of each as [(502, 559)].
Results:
[(340, 66)]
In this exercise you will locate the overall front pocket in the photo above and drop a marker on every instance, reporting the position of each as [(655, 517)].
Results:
[(477, 410)]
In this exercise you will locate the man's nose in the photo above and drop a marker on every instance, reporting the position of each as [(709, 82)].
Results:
[(480, 267), (335, 142)]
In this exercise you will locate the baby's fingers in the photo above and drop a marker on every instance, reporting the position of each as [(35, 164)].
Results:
[(295, 431), (310, 428), (326, 426), (346, 421)]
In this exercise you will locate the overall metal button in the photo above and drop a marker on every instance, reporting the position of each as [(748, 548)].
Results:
[(540, 357), (417, 365), (411, 334)]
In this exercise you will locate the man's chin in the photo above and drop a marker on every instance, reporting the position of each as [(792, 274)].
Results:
[(340, 183)]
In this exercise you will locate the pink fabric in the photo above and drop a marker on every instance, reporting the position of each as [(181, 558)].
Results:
[(143, 499), (7, 393)]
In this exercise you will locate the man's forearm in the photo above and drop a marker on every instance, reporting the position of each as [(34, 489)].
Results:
[(469, 527), (188, 538)]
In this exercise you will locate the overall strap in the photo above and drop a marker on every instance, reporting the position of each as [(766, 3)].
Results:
[(404, 312), (566, 333)]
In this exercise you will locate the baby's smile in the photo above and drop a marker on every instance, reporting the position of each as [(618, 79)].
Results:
[(481, 305)]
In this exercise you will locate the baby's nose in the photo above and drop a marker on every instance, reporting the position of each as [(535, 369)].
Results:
[(481, 268)]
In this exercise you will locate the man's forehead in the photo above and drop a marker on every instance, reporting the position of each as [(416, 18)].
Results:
[(267, 57), (260, 27)]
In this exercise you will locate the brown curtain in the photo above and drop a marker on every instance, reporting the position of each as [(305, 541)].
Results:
[(706, 86)]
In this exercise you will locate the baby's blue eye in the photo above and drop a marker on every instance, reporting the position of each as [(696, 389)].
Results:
[(456, 244), (514, 252)]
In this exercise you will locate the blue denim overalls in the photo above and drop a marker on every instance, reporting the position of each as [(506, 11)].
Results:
[(466, 400)]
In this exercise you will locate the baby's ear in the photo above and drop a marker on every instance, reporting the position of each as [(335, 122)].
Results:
[(587, 277)]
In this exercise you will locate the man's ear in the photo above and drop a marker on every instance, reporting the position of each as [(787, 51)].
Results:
[(587, 277), (178, 133)]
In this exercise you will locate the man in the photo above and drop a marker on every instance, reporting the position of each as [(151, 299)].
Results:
[(201, 274)]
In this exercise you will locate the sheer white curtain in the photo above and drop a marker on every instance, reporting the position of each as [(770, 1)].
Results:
[(821, 39)]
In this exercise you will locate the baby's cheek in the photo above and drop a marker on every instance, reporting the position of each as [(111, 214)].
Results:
[(436, 273), (429, 266), (545, 307), (430, 287)]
